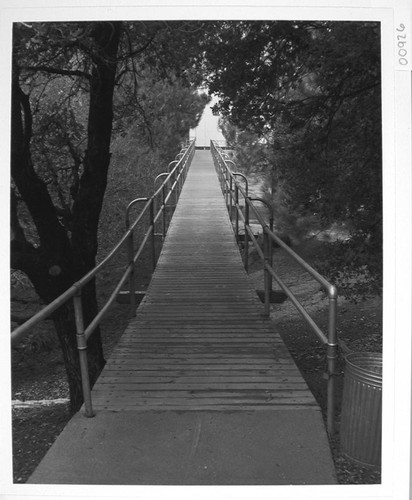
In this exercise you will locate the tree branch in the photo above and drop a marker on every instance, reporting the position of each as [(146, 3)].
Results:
[(57, 71), (31, 188)]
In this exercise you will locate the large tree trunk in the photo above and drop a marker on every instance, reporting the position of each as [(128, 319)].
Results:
[(89, 198), (60, 259), (65, 329)]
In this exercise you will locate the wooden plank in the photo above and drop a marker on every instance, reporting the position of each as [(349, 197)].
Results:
[(205, 394), (168, 327), (205, 357), (198, 359), (220, 351), (192, 368), (205, 401), (194, 386), (183, 403), (176, 359), (244, 407), (155, 364), (203, 333), (131, 377), (219, 343), (174, 372)]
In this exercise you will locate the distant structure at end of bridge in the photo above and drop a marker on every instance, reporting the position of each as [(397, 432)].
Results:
[(208, 128)]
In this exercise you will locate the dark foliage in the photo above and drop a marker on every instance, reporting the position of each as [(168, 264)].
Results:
[(72, 82), (304, 98)]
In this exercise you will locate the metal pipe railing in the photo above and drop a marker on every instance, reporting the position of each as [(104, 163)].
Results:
[(163, 202), (238, 208), (268, 255), (178, 173), (227, 179)]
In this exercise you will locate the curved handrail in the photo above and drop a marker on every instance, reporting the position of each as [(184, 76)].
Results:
[(179, 171), (130, 205), (245, 180), (164, 174), (227, 179), (171, 163)]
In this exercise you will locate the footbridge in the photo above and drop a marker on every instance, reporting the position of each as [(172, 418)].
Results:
[(200, 388)]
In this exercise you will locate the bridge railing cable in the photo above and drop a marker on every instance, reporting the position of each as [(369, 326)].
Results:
[(232, 190), (155, 206)]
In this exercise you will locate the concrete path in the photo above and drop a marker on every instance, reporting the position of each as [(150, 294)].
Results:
[(201, 389)]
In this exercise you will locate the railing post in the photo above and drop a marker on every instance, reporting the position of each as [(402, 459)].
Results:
[(267, 281), (226, 189), (132, 283), (332, 355), (237, 199), (163, 202), (246, 235), (164, 220), (82, 348), (222, 179), (267, 244), (230, 197), (176, 195), (179, 182), (153, 238), (130, 258), (270, 250), (181, 177), (237, 213)]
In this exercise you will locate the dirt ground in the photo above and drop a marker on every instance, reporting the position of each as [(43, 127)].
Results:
[(359, 326), (38, 372)]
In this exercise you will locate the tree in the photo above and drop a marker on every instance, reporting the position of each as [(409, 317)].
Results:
[(168, 109), (65, 251), (144, 144), (71, 83), (310, 93)]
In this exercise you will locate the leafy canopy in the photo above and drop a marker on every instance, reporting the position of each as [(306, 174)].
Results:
[(305, 99)]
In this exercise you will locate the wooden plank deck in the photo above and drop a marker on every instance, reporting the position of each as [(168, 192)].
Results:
[(200, 340)]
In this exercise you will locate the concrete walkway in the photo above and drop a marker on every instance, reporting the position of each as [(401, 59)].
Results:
[(200, 390)]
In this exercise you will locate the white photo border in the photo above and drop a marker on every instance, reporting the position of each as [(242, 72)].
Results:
[(396, 126)]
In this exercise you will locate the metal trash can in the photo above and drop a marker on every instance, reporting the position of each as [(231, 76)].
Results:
[(361, 417)]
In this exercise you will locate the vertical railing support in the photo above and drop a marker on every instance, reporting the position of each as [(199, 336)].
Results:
[(227, 196), (181, 177), (130, 257), (270, 251), (174, 183), (246, 247), (237, 213), (82, 348), (163, 202), (230, 197), (153, 237), (222, 180), (164, 215), (332, 355), (266, 274), (246, 195), (132, 281)]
